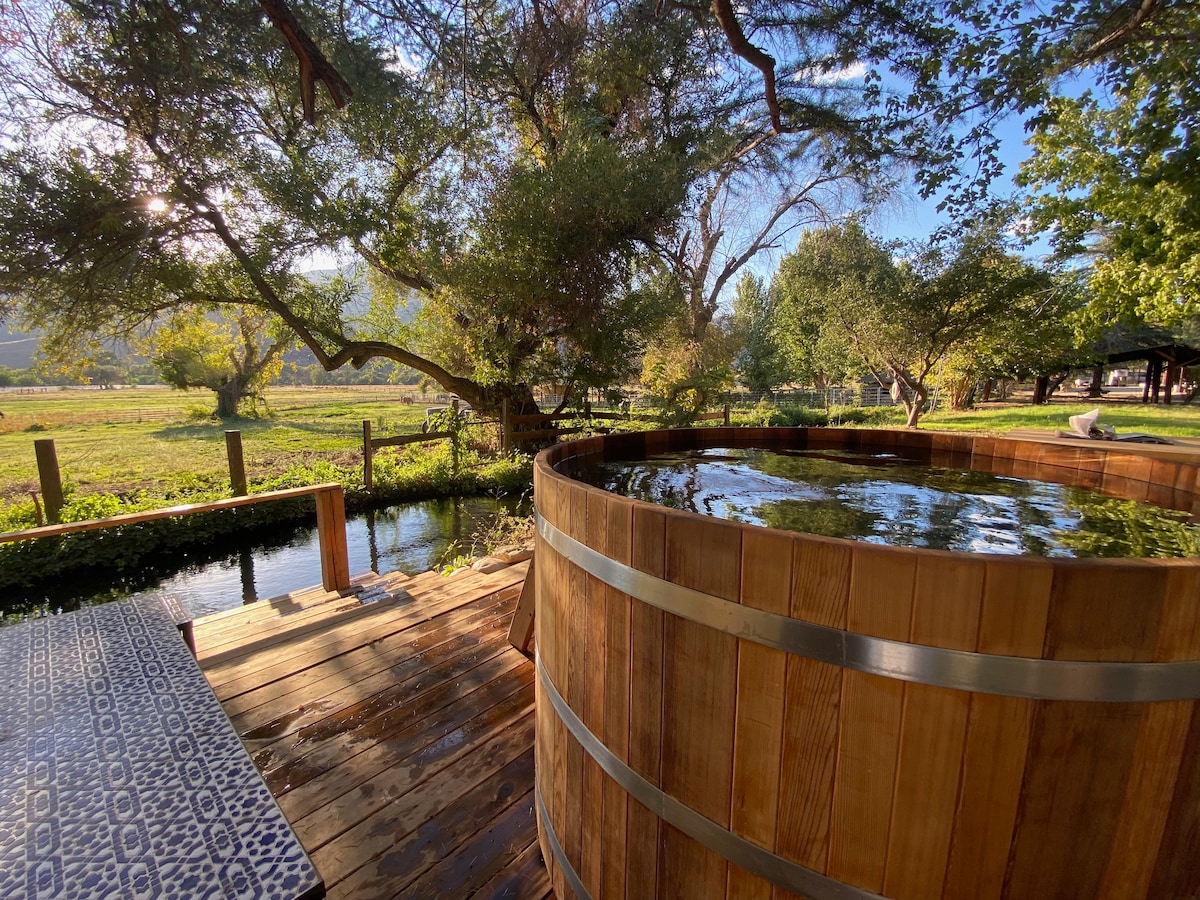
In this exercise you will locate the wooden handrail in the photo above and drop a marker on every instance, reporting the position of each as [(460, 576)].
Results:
[(403, 440), (331, 525)]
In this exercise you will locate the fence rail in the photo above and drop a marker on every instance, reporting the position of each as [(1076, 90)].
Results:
[(371, 444)]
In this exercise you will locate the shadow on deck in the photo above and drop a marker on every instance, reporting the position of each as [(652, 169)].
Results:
[(396, 734)]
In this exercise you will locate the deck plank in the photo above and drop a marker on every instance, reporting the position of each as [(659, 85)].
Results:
[(325, 749), (525, 877), (397, 736), (275, 656), (224, 647), (429, 843), (360, 690), (376, 834), (277, 697), (418, 745)]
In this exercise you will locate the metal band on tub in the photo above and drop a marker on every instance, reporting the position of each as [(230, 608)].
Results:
[(560, 856), (743, 853), (1010, 676)]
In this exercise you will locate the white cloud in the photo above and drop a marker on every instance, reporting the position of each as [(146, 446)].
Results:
[(820, 78), (1021, 227)]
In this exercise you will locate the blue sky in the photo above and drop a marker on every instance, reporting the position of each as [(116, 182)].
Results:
[(911, 218)]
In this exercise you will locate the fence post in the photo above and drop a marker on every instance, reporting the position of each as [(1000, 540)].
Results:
[(505, 428), (331, 537), (237, 465), (368, 456), (726, 415), (48, 474)]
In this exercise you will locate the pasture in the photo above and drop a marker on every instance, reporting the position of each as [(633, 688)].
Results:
[(162, 443)]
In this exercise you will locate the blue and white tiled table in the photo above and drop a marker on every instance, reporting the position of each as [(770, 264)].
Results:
[(120, 774)]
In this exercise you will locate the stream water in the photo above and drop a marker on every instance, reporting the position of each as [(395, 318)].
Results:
[(409, 537)]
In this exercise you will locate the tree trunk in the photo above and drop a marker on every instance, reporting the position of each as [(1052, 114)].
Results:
[(1041, 389), (962, 393), (914, 404), (1096, 389), (988, 385), (229, 398)]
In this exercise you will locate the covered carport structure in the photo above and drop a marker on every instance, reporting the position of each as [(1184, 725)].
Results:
[(1167, 360)]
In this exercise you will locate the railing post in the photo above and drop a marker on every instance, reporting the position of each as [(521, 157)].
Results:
[(331, 536), (48, 474), (237, 464), (726, 415), (368, 456)]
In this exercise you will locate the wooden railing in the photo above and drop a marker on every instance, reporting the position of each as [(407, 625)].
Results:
[(331, 525)]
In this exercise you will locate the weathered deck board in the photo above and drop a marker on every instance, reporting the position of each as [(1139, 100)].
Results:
[(397, 736)]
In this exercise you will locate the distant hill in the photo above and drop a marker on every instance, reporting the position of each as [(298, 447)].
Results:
[(362, 299), (16, 348), (302, 356)]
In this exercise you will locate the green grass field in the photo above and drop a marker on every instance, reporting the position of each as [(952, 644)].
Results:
[(176, 450), (1175, 420), (180, 448)]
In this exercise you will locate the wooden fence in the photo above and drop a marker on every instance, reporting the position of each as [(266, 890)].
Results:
[(371, 444)]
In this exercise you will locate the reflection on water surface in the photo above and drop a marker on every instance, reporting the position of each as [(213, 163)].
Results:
[(886, 499)]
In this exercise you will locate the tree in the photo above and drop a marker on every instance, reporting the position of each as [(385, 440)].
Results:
[(760, 364), (104, 369), (521, 168), (1115, 187), (839, 266), (232, 355), (513, 200), (765, 186), (946, 73), (904, 320)]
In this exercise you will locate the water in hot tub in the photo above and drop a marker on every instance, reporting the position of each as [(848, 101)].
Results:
[(886, 499)]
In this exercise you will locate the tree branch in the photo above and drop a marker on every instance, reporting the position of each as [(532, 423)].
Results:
[(764, 62), (314, 66)]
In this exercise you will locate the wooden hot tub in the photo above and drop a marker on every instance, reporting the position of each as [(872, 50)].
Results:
[(732, 711)]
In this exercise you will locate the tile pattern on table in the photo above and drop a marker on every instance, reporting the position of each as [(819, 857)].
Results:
[(120, 774)]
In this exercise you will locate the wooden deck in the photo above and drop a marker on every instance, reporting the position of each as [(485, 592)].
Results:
[(396, 734)]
